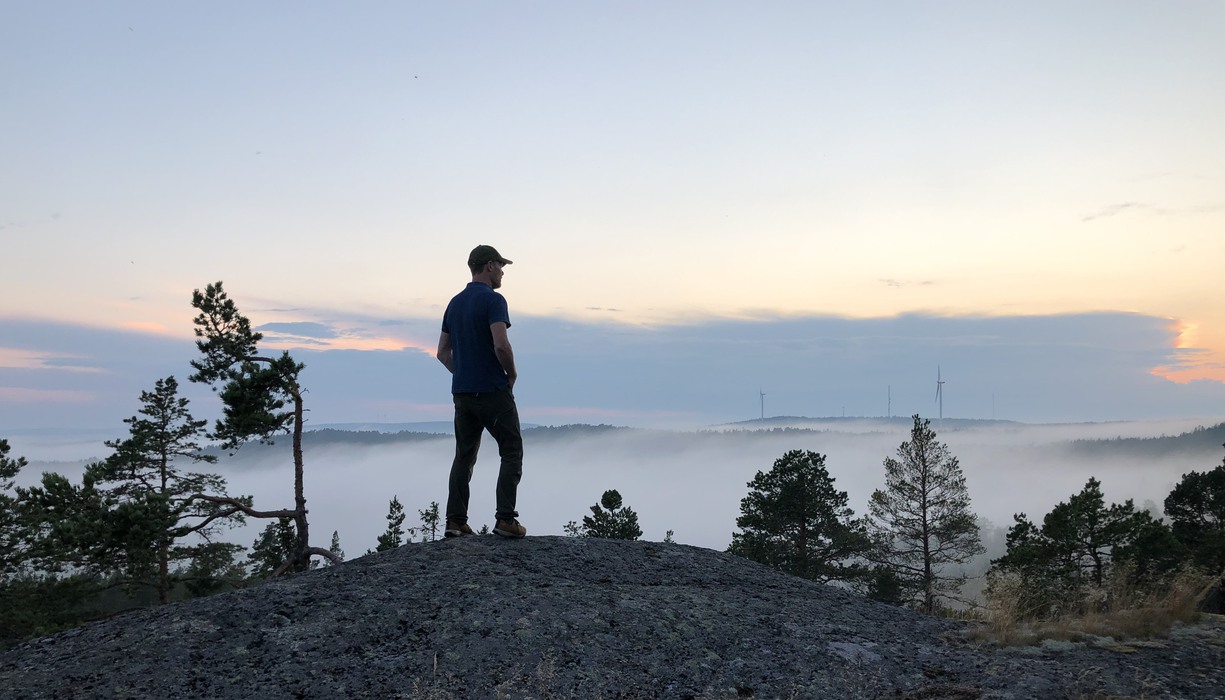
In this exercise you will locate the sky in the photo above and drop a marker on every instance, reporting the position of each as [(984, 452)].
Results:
[(717, 210)]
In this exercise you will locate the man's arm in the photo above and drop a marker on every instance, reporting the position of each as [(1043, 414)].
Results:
[(445, 355), (501, 348)]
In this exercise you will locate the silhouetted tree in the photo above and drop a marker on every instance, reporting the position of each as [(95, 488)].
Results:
[(1196, 508), (273, 549), (430, 520), (11, 529), (155, 523), (921, 521), (795, 520), (335, 548), (393, 536), (1077, 545), (254, 391), (67, 527), (609, 519)]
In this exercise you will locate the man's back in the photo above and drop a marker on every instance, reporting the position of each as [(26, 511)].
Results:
[(467, 320)]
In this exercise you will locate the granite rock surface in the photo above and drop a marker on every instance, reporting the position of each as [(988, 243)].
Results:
[(562, 617)]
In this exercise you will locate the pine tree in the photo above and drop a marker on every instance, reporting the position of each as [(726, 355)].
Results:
[(394, 535), (431, 518), (1196, 508), (921, 521), (795, 520), (335, 548), (609, 519), (254, 391), (1079, 543), (276, 545), (11, 530), (156, 520)]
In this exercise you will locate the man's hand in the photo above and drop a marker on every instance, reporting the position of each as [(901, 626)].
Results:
[(445, 354), (501, 348)]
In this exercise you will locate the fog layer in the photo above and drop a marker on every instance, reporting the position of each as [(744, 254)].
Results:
[(692, 482)]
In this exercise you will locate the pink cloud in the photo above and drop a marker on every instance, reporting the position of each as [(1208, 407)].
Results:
[(19, 394)]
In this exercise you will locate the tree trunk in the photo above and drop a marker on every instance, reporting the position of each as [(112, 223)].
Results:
[(301, 556)]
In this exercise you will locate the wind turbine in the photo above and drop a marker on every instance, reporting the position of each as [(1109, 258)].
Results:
[(940, 392), (763, 403)]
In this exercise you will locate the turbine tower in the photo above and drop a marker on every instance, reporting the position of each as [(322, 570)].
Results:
[(763, 402), (940, 392)]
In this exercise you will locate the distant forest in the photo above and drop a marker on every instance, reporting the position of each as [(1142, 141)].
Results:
[(1197, 441), (331, 437)]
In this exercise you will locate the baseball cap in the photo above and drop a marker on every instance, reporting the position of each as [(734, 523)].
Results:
[(485, 253)]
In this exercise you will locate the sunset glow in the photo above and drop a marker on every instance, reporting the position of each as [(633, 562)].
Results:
[(889, 188)]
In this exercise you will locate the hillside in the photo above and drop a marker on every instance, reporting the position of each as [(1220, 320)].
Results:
[(564, 617), (1201, 440)]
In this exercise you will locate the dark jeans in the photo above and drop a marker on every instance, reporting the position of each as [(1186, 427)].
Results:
[(474, 413)]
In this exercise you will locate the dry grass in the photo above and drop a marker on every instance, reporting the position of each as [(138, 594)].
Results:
[(1084, 687), (1015, 616)]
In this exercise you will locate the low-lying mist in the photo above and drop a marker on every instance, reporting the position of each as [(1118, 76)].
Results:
[(692, 482)]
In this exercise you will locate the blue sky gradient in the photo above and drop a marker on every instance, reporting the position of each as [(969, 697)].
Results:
[(819, 200)]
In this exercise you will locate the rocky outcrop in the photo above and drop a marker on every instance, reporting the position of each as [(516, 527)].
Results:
[(558, 617)]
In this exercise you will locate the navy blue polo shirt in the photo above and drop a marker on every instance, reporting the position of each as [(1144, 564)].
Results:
[(467, 321)]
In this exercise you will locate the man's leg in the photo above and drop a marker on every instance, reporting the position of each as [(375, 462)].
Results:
[(503, 424), (467, 443)]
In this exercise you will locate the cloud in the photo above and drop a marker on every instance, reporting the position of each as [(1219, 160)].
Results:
[(300, 329), (332, 330), (1066, 367), (1117, 209), (889, 282), (1113, 210), (41, 396), (84, 376), (21, 358), (1080, 367), (1208, 208)]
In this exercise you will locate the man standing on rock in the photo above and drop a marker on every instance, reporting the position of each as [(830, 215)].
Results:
[(474, 348)]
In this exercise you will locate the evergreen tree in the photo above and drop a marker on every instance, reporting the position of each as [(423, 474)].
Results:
[(65, 524), (255, 391), (609, 519), (34, 600), (1079, 543), (276, 546), (795, 520), (1196, 508), (213, 570), (394, 535), (156, 523), (921, 521), (335, 548), (430, 520), (11, 529)]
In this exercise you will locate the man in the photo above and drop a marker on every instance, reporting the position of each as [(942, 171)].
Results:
[(474, 348)]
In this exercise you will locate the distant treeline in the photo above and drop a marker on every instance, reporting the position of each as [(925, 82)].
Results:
[(1197, 441), (331, 437)]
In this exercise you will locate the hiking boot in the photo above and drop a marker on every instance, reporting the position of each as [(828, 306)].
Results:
[(455, 529), (509, 528)]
